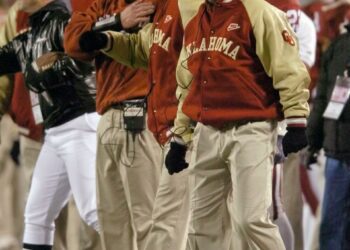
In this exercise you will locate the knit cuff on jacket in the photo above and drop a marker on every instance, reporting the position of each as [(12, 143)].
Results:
[(296, 122)]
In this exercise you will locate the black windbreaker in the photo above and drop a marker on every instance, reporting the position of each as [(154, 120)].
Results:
[(332, 135), (67, 90)]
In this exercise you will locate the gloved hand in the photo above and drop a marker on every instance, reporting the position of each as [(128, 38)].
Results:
[(310, 157), (294, 140), (92, 41), (175, 159), (46, 61)]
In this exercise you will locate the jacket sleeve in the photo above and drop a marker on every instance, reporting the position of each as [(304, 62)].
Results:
[(315, 123), (81, 22), (7, 33), (9, 62), (277, 49), (9, 30), (182, 128), (131, 49), (184, 79)]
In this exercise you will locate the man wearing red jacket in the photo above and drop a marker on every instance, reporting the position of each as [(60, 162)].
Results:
[(157, 47), (240, 73), (127, 155)]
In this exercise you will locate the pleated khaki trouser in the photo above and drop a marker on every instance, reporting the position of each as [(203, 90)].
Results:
[(128, 169), (171, 211), (292, 197), (15, 183), (11, 187), (238, 159), (79, 235)]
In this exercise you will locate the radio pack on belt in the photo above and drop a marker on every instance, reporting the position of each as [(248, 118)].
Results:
[(134, 113)]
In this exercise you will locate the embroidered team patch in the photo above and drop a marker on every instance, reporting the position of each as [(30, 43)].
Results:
[(288, 38)]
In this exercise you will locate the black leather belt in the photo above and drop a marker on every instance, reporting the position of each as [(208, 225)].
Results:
[(121, 105)]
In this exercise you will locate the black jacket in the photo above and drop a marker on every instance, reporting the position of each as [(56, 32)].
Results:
[(67, 90), (332, 135)]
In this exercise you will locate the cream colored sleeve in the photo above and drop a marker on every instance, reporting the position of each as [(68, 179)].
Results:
[(9, 30), (131, 49), (277, 49), (188, 9), (184, 80)]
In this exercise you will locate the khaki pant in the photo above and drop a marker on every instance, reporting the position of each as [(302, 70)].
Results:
[(79, 236), (15, 183), (128, 169), (11, 205), (292, 197), (14, 186), (89, 239), (237, 159), (171, 212)]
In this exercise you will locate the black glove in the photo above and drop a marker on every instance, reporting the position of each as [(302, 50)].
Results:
[(175, 159), (91, 41), (15, 152), (310, 157), (294, 140)]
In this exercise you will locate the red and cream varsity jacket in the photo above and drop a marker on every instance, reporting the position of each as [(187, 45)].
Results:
[(240, 62), (157, 47)]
